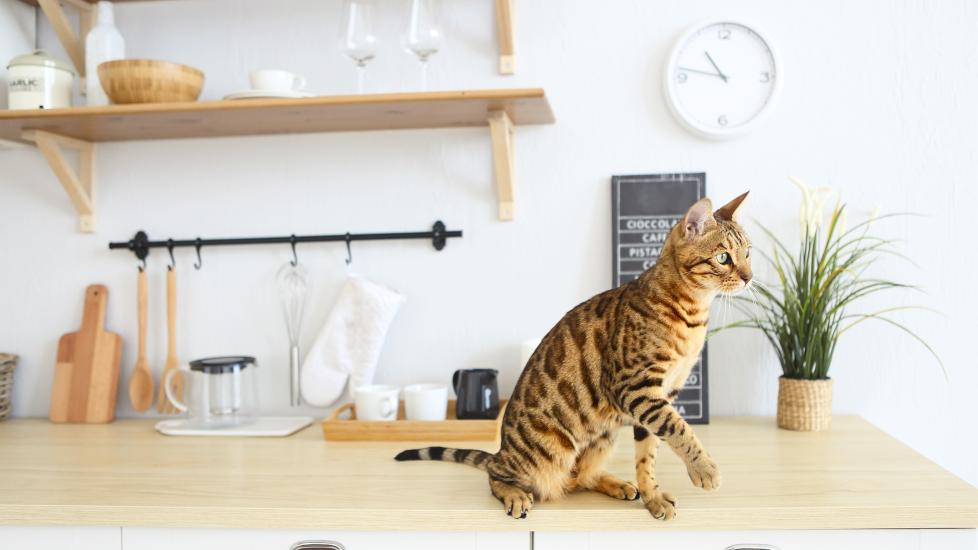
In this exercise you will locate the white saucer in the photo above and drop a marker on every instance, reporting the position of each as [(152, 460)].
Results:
[(266, 426), (265, 94)]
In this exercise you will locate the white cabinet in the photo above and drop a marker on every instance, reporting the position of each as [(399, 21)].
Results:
[(135, 538), (17, 537), (855, 539)]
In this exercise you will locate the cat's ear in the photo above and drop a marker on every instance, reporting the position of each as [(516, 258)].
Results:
[(698, 218), (729, 211)]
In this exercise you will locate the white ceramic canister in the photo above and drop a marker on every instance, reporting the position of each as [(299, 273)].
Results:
[(39, 81)]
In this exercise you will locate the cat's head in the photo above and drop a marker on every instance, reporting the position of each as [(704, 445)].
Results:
[(711, 248)]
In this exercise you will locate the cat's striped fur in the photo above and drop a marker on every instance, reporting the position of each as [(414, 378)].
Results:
[(617, 359)]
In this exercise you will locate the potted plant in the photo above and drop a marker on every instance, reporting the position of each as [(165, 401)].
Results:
[(810, 306)]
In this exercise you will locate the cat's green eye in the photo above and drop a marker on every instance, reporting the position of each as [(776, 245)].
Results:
[(723, 258), (747, 253)]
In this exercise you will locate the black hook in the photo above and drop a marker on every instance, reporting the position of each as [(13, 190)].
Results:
[(169, 248), (349, 254), (200, 263), (295, 258)]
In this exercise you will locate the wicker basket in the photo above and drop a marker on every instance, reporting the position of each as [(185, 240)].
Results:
[(804, 405), (7, 363)]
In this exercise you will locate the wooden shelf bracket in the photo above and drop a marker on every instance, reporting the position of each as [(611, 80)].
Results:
[(80, 184), (74, 44), (504, 32), (501, 132)]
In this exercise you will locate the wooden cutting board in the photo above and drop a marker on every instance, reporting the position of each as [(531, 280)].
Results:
[(86, 375)]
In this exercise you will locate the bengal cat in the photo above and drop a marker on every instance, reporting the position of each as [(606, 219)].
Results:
[(617, 359)]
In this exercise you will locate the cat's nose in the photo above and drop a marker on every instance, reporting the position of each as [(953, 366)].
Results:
[(746, 277)]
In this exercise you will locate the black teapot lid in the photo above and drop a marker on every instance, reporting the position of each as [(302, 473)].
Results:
[(221, 365)]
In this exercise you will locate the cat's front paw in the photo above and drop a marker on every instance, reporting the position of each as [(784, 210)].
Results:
[(703, 472), (661, 505)]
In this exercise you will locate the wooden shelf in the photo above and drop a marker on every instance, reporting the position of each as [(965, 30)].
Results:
[(82, 127)]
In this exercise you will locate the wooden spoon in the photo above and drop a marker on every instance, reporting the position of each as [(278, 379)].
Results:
[(141, 383), (163, 404)]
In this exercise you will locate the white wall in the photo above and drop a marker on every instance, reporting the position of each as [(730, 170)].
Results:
[(878, 101)]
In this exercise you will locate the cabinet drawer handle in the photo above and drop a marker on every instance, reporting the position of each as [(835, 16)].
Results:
[(317, 545), (752, 547)]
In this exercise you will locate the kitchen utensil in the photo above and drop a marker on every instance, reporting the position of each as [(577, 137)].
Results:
[(150, 81), (357, 37), (163, 405), (266, 94), (266, 426), (222, 391), (426, 402), (39, 81), (477, 392), (141, 383), (292, 293), (86, 375), (8, 362), (343, 425), (103, 43), (424, 36), (376, 402), (276, 80)]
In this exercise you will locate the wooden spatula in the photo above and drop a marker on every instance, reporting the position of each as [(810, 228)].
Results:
[(163, 404), (141, 383), (86, 375)]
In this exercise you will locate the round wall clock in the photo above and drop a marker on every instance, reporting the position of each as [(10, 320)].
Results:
[(722, 78)]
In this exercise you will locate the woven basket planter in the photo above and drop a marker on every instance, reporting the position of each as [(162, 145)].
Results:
[(804, 405), (7, 363)]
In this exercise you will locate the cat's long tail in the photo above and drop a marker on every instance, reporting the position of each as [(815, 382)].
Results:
[(472, 457)]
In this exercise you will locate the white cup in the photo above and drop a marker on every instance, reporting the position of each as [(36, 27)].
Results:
[(276, 80), (376, 402), (426, 401)]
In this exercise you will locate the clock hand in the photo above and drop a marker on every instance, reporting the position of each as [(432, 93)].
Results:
[(700, 72), (719, 72)]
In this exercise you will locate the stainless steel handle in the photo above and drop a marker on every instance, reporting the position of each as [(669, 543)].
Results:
[(752, 547), (317, 545)]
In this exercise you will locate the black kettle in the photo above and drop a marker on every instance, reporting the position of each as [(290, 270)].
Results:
[(477, 393)]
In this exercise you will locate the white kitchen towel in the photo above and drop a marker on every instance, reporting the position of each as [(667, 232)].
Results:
[(350, 342)]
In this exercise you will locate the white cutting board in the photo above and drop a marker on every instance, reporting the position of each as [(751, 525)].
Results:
[(266, 426)]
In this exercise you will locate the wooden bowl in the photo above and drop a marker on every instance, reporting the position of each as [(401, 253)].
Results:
[(149, 81)]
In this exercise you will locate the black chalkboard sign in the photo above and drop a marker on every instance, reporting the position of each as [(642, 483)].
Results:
[(643, 211)]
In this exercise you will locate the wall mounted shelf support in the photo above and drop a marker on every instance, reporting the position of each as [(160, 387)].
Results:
[(504, 32), (501, 132), (74, 44), (80, 184)]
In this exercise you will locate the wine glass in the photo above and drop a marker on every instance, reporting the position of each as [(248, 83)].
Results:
[(358, 40), (424, 34)]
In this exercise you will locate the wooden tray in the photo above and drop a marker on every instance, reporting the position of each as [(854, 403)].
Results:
[(451, 429)]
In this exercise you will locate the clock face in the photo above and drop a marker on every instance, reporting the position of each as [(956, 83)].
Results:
[(722, 76)]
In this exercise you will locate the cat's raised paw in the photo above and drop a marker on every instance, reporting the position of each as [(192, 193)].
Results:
[(661, 505), (704, 473)]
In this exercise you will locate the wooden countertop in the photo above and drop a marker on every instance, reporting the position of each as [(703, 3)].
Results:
[(125, 474)]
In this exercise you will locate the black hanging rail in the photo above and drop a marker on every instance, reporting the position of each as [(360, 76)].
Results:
[(140, 243)]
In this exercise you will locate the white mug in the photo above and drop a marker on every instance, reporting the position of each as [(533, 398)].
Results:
[(276, 80), (426, 401), (376, 402)]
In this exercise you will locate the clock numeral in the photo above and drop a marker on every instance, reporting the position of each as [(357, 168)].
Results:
[(765, 76), (723, 34), (681, 78), (722, 120)]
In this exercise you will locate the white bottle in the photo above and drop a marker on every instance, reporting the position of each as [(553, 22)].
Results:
[(103, 43)]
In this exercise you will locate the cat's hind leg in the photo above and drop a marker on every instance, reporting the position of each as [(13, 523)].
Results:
[(516, 501), (590, 473)]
